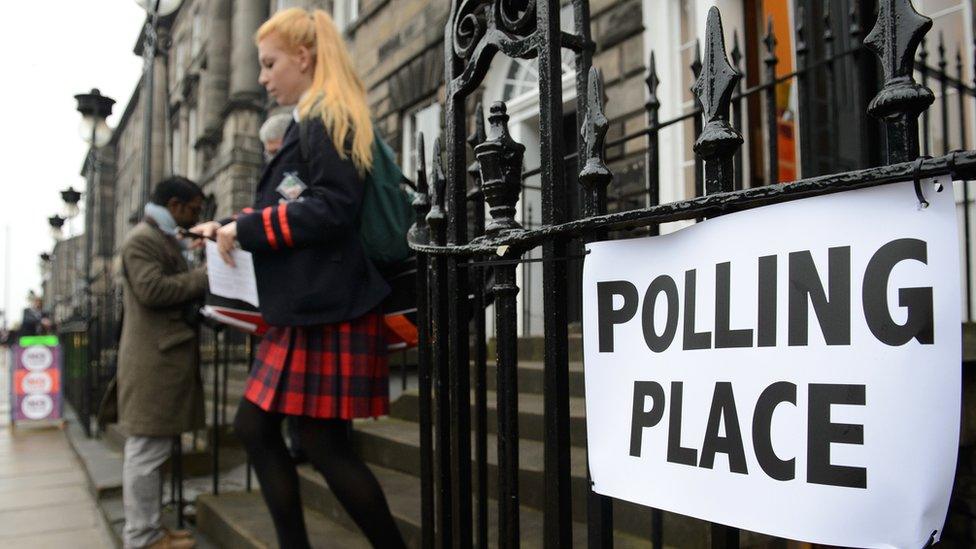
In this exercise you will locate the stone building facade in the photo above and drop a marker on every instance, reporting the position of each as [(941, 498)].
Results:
[(208, 105)]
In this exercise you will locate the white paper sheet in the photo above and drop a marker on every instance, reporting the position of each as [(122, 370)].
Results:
[(236, 282), (903, 435)]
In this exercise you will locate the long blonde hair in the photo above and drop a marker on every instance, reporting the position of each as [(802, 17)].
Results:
[(337, 94)]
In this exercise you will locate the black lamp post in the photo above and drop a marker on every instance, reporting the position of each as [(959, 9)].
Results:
[(94, 108)]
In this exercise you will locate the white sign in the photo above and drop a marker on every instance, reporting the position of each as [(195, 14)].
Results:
[(792, 370), (237, 282), (37, 382), (37, 358), (37, 406)]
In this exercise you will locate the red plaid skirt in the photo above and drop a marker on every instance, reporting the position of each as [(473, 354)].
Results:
[(325, 371)]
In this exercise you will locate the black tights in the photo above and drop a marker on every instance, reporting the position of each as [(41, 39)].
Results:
[(329, 449)]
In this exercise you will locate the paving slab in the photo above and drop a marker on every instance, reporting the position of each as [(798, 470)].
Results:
[(44, 497)]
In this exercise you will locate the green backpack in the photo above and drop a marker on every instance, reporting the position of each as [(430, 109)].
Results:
[(387, 212)]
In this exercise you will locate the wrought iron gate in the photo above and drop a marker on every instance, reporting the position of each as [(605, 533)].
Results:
[(457, 250)]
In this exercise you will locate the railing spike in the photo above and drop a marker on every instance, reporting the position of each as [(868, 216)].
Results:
[(696, 63), (923, 53), (894, 39), (652, 82), (827, 20), (437, 217), (736, 53), (476, 138), (714, 87), (801, 31), (420, 232), (959, 62), (769, 40), (942, 53), (854, 25), (595, 175)]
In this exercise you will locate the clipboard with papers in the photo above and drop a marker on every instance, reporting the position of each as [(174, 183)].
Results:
[(233, 295)]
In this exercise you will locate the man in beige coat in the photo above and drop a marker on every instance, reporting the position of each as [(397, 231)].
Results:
[(159, 386)]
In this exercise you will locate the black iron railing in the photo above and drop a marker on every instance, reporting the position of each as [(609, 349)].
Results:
[(454, 245)]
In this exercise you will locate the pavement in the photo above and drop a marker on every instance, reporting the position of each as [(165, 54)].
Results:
[(45, 500)]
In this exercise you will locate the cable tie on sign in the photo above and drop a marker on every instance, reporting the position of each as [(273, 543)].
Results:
[(953, 173), (916, 177)]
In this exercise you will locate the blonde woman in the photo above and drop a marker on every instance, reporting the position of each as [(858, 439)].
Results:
[(323, 361)]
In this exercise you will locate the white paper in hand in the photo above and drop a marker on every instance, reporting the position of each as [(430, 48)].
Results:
[(236, 282)]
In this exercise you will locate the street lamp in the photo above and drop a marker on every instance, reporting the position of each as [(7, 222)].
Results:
[(154, 10), (94, 108), (71, 198), (56, 222)]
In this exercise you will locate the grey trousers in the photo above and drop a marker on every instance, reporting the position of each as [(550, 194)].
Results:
[(142, 489)]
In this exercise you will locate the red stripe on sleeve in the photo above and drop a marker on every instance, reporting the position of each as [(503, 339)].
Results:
[(268, 229), (248, 210), (283, 223)]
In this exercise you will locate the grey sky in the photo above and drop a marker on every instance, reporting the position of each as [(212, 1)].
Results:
[(54, 50)]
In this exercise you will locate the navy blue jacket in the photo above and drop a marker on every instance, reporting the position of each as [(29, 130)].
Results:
[(309, 261)]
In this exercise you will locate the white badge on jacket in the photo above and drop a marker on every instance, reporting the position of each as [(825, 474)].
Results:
[(291, 187)]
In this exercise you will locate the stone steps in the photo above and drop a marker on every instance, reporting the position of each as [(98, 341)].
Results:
[(531, 377), (241, 520), (395, 445), (531, 425), (403, 494)]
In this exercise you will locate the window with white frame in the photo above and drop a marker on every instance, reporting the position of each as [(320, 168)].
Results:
[(344, 12), (426, 120)]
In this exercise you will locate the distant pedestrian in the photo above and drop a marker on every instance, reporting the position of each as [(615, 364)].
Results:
[(36, 320), (272, 133), (160, 393)]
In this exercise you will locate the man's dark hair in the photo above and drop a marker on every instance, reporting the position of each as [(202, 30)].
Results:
[(178, 187)]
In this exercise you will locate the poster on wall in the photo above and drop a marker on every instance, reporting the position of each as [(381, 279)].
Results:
[(36, 379), (792, 370)]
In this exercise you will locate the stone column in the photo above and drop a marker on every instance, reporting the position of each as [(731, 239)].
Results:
[(247, 17), (215, 80)]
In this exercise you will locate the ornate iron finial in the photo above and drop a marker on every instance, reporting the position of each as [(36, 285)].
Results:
[(437, 217), (923, 55), (696, 63), (420, 232), (801, 31), (718, 140), (770, 42), (476, 138), (854, 25), (828, 30), (652, 81), (894, 39), (501, 171), (595, 175), (736, 53)]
